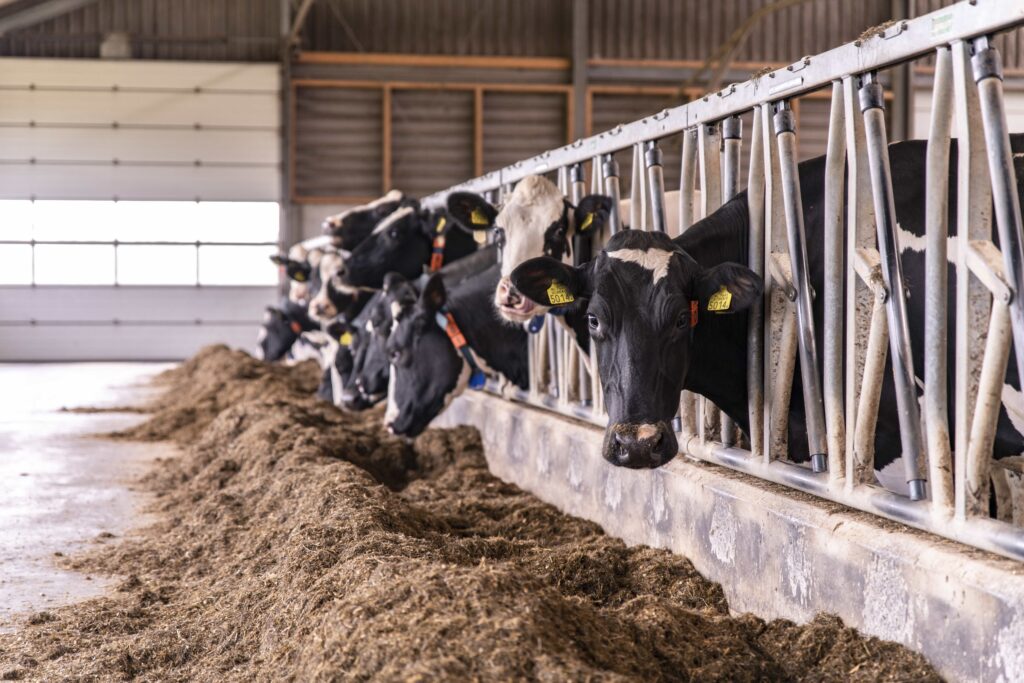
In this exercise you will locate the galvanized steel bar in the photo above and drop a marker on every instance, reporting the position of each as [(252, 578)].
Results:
[(814, 406), (872, 104), (655, 185), (610, 179), (638, 191), (779, 355), (973, 300), (709, 168), (582, 251), (936, 326), (832, 351), (731, 141), (687, 178), (755, 317), (988, 73)]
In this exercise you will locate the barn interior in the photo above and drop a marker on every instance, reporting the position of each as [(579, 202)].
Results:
[(180, 502)]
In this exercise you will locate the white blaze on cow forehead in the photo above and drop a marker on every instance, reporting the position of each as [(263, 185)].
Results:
[(318, 242), (535, 204), (396, 309), (653, 259), (392, 196), (393, 218)]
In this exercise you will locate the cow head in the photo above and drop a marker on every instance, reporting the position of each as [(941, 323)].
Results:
[(348, 228), (404, 243), (425, 368), (329, 300), (277, 333), (645, 300), (536, 221), (372, 368), (298, 272)]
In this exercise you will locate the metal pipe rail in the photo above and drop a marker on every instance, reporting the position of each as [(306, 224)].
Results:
[(864, 301)]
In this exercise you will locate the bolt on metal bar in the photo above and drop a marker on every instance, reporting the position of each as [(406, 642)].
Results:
[(872, 107), (755, 261), (832, 351), (610, 178), (988, 74), (936, 325), (814, 407), (656, 184)]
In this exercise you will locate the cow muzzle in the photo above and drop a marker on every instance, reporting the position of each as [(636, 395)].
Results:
[(512, 305), (639, 446)]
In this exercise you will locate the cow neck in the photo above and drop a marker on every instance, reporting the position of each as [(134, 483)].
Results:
[(450, 246), (501, 347), (718, 364)]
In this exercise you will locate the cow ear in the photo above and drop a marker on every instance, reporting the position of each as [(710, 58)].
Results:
[(279, 259), (471, 211), (434, 295), (299, 271), (728, 288), (592, 213), (550, 282)]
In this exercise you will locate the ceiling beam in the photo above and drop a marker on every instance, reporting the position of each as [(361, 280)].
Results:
[(22, 15)]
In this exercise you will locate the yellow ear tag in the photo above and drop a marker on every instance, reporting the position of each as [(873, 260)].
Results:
[(299, 277), (345, 339), (480, 236), (559, 294), (586, 222), (440, 225), (720, 300), (478, 217)]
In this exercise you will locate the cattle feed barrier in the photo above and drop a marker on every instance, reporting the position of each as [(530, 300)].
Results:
[(864, 292)]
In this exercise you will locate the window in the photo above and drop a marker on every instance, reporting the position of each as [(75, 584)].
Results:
[(137, 243)]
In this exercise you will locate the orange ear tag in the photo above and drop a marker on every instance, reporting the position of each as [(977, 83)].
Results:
[(694, 307)]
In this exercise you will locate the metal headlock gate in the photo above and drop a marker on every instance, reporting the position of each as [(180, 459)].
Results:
[(863, 276)]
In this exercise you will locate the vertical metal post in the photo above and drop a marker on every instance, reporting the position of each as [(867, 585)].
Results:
[(872, 106), (973, 299), (582, 252), (988, 74), (835, 169), (732, 131), (610, 176), (936, 332), (688, 167), (638, 191), (656, 184), (814, 408), (860, 298), (755, 317), (709, 166)]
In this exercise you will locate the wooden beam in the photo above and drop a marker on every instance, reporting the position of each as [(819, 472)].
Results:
[(478, 132), (447, 61), (679, 63), (353, 200), (435, 85)]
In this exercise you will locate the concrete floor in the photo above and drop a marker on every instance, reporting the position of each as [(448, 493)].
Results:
[(59, 488)]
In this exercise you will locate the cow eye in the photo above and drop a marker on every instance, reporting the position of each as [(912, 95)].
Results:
[(592, 322)]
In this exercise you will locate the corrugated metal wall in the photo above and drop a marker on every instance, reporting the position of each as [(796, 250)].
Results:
[(611, 109), (432, 139), (520, 125), (231, 30)]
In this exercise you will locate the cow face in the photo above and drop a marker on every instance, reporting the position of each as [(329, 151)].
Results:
[(298, 272), (277, 334), (349, 228), (325, 305), (398, 243), (536, 221), (644, 298), (425, 368), (372, 369)]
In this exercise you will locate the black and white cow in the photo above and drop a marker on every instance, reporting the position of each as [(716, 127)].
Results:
[(428, 369), (281, 328), (638, 295), (406, 242), (350, 227)]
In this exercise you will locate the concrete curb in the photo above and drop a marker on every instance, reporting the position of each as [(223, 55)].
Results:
[(776, 552)]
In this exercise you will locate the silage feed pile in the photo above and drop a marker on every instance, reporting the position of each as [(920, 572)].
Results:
[(301, 543)]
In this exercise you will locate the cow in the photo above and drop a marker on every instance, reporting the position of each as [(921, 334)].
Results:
[(430, 365), (282, 326), (349, 228), (639, 293), (407, 241)]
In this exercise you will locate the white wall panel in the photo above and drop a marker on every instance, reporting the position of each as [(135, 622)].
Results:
[(185, 182), (225, 76), (1014, 102), (22, 143)]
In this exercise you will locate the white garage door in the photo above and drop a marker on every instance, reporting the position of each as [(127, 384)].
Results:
[(138, 205)]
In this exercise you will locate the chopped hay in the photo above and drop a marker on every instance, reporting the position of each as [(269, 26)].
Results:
[(281, 556)]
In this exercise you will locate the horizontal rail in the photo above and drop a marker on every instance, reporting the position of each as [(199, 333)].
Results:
[(137, 243), (902, 42)]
